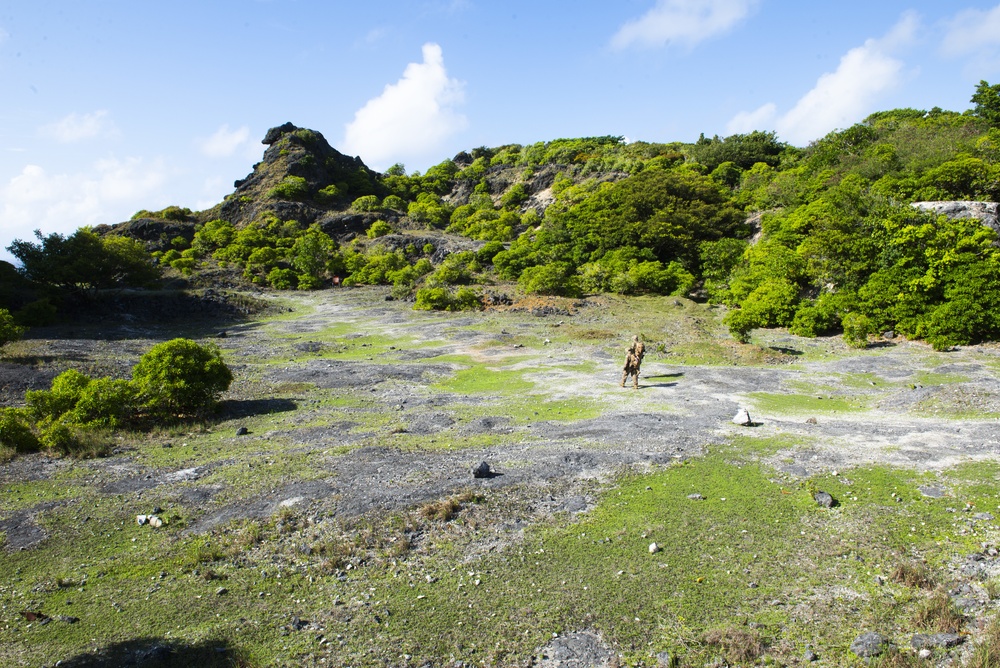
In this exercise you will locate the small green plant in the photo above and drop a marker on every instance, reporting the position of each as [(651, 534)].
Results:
[(986, 653), (290, 187), (857, 328), (379, 228), (937, 613), (9, 329), (15, 432)]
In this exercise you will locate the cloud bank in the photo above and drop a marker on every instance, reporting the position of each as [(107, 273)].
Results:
[(112, 190), (411, 118), (839, 98), (685, 22)]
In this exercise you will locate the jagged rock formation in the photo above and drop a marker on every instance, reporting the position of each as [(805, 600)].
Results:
[(984, 211)]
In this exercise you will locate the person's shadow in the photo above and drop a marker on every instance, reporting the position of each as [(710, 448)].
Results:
[(660, 376)]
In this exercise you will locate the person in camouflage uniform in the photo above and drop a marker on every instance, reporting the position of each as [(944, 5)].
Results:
[(633, 360)]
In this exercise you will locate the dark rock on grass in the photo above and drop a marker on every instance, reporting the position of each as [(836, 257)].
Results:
[(935, 640), (824, 499), (868, 645), (242, 431)]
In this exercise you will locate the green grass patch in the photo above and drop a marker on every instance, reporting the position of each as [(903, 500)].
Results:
[(775, 403)]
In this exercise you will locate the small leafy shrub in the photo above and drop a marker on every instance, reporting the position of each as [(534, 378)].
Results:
[(290, 187), (282, 279), (10, 331), (442, 299), (366, 203), (857, 328), (38, 313), (330, 193), (15, 432), (555, 278), (104, 402), (60, 398), (180, 377), (489, 250), (379, 228), (394, 202)]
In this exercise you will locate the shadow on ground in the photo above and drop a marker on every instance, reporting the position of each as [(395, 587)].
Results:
[(237, 408), (160, 653)]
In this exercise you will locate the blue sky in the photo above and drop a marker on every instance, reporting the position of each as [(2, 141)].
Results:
[(110, 106)]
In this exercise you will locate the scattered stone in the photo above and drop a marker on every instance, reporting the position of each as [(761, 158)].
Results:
[(654, 548), (811, 421), (666, 660), (67, 619), (221, 591), (299, 624), (242, 431), (221, 335), (753, 585), (868, 645), (155, 521), (696, 497), (482, 470), (889, 334), (142, 519), (34, 616), (932, 492), (810, 656), (742, 418), (924, 654), (982, 516), (932, 640), (824, 499)]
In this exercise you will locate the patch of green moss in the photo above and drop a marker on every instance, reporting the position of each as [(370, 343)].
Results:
[(774, 403)]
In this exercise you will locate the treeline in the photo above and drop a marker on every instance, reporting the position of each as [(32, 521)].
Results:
[(820, 240)]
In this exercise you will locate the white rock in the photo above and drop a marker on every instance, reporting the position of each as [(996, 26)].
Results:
[(742, 418), (924, 653), (155, 522), (141, 519), (653, 548)]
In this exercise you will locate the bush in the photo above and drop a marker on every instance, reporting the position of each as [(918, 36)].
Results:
[(9, 330), (15, 432), (180, 377), (60, 398), (282, 279), (554, 278), (366, 203), (441, 299), (489, 250), (379, 228), (857, 329), (104, 402), (38, 313), (291, 187)]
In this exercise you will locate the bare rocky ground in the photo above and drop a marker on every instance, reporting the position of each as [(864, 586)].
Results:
[(358, 387)]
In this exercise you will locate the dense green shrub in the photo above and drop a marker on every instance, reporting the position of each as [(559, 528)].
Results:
[(442, 299), (290, 188), (39, 313), (180, 378), (60, 398), (366, 203), (9, 329), (379, 228), (15, 431), (104, 402), (857, 328), (282, 279), (555, 278)]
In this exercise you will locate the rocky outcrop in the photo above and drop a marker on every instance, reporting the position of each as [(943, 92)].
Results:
[(984, 211)]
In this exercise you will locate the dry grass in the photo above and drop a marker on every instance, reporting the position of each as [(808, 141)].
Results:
[(913, 574), (738, 645), (444, 510), (938, 614), (986, 653)]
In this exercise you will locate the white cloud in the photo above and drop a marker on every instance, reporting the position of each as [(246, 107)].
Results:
[(972, 31), (748, 121), (224, 142), (76, 127), (839, 98), (411, 118), (111, 192), (682, 21)]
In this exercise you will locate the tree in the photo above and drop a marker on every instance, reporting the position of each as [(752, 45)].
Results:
[(987, 101), (180, 378)]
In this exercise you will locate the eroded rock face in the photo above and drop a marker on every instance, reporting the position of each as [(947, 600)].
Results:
[(984, 211)]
